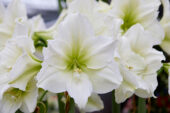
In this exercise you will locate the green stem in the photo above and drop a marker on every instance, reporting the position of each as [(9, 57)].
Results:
[(60, 6), (61, 104), (141, 105), (72, 106), (42, 96), (115, 106)]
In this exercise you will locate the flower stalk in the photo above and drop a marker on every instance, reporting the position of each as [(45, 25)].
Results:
[(115, 106), (43, 95), (141, 105), (60, 6)]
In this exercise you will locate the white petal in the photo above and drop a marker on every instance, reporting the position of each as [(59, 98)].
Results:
[(165, 22), (9, 54), (157, 32), (23, 71), (16, 9), (81, 6), (79, 88), (106, 79), (166, 13), (2, 12), (153, 59), (30, 99), (74, 28), (8, 105), (26, 44), (3, 86), (148, 86), (128, 86), (37, 23), (52, 79), (94, 103), (123, 92), (139, 39), (55, 54), (165, 46), (21, 28), (101, 51)]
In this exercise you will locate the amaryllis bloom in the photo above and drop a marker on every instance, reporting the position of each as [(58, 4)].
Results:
[(139, 64), (165, 22), (18, 67), (103, 23), (14, 99), (78, 62), (15, 10), (142, 12)]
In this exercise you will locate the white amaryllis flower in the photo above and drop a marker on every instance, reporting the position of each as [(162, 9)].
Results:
[(97, 12), (78, 62), (15, 10), (18, 67), (139, 64), (26, 100), (165, 22), (144, 12)]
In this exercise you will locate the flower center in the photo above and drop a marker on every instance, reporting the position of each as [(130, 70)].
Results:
[(77, 59), (14, 93), (129, 17)]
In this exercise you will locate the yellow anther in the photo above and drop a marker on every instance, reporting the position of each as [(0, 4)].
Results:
[(78, 70)]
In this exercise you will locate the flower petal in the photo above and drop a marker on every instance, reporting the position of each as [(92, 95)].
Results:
[(106, 79), (23, 71), (94, 103), (30, 99), (15, 9), (52, 79), (79, 88), (101, 52), (8, 105)]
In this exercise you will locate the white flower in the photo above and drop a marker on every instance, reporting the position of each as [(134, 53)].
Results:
[(103, 23), (18, 67), (13, 99), (142, 12), (15, 10), (165, 22), (78, 62), (139, 64)]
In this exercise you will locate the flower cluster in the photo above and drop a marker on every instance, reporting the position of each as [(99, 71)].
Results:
[(93, 48)]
